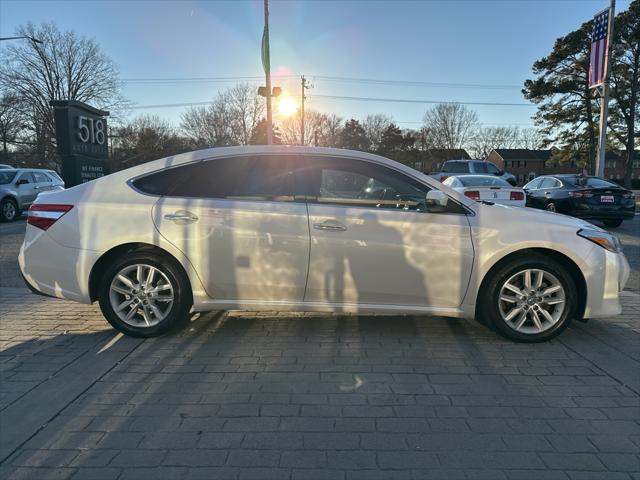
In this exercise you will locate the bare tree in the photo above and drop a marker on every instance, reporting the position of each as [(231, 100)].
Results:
[(374, 127), (208, 126), (531, 138), (145, 138), (64, 67), (230, 119), (489, 138), (11, 121), (246, 110), (450, 125)]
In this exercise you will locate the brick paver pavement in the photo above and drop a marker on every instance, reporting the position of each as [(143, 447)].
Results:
[(308, 396)]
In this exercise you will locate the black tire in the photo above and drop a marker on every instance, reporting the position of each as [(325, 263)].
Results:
[(551, 207), (489, 310), (612, 222), (9, 210), (178, 314)]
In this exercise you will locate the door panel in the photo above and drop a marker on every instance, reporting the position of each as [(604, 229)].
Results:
[(27, 191), (393, 257), (242, 250)]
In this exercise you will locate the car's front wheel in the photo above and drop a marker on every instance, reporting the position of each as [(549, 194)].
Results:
[(144, 294), (530, 299), (8, 210)]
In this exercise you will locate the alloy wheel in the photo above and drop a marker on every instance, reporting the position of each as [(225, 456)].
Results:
[(141, 295), (532, 301), (9, 211)]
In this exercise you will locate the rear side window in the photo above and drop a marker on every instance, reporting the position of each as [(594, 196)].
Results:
[(41, 177), (533, 184), (268, 177), (456, 167), (549, 183), (480, 167)]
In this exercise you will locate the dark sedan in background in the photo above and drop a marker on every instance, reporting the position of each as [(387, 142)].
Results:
[(581, 196)]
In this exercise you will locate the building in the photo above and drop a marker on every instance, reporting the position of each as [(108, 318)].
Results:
[(527, 164)]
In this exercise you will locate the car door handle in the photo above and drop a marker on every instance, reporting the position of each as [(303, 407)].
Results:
[(181, 216), (330, 225)]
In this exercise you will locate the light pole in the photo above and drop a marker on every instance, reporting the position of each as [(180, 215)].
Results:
[(34, 40)]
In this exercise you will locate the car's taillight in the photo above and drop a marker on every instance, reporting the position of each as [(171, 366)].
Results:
[(586, 194), (516, 196), (43, 215), (472, 194)]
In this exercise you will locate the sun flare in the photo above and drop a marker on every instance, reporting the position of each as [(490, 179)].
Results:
[(287, 106)]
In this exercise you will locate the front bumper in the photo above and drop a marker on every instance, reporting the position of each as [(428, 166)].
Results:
[(605, 282)]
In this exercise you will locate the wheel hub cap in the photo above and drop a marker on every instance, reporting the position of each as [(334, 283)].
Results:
[(141, 295), (531, 301)]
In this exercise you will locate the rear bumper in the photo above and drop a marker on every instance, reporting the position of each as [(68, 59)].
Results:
[(602, 212), (54, 270)]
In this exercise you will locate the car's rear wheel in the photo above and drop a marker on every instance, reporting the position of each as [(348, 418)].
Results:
[(144, 294), (551, 207), (8, 210), (530, 299), (612, 222)]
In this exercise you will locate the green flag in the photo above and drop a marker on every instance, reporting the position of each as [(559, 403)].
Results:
[(266, 60)]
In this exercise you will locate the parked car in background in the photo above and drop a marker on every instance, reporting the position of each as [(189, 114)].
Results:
[(4, 166), (312, 229), (582, 196), (471, 167), (19, 187), (487, 188)]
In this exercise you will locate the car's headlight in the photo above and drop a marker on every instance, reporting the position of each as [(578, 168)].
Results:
[(605, 240)]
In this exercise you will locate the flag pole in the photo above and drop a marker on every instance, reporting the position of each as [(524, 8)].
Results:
[(604, 104)]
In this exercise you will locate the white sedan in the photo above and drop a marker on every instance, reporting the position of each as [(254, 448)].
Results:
[(312, 229), (487, 188)]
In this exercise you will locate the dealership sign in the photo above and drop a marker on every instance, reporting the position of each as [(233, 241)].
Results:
[(81, 134)]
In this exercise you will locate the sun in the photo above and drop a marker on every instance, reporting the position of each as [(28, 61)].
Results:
[(287, 106)]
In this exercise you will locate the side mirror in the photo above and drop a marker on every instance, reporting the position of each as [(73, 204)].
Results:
[(436, 201), (22, 181)]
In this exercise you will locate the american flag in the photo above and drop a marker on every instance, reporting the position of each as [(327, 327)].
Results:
[(599, 39)]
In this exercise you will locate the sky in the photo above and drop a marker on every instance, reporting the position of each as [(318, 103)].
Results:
[(476, 51)]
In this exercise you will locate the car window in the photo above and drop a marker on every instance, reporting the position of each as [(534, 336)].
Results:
[(491, 168), (54, 176), (593, 182), (456, 167), (25, 176), (344, 181), (7, 177), (533, 184), (480, 167), (548, 183), (40, 177), (482, 181), (268, 177)]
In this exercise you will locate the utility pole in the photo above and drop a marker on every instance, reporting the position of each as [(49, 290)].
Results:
[(604, 105), (304, 86), (266, 64)]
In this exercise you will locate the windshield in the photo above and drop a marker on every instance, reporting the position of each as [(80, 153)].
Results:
[(592, 182), (481, 181), (6, 177)]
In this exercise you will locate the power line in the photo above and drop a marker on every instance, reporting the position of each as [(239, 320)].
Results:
[(328, 78), (410, 100), (411, 83)]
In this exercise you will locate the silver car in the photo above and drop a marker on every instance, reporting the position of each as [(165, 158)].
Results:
[(19, 187)]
